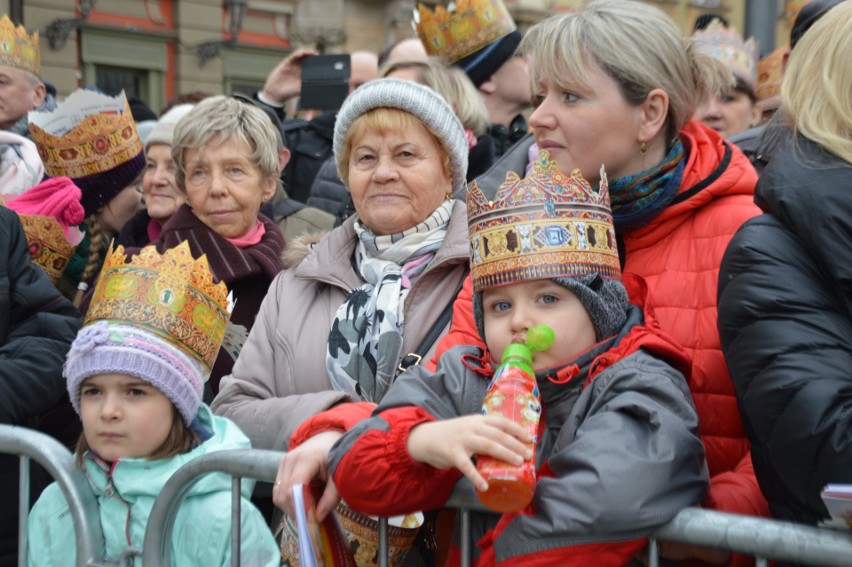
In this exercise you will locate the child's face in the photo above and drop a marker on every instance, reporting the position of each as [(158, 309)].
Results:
[(510, 310), (124, 416)]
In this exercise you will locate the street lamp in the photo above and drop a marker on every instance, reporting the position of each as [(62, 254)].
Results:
[(236, 13)]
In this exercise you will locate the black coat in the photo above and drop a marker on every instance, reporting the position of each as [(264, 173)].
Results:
[(37, 326), (785, 321)]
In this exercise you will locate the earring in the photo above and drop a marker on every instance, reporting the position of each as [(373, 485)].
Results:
[(643, 147), (448, 197)]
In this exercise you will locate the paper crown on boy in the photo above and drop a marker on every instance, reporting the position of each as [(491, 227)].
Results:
[(160, 318), (727, 45), (18, 49), (548, 226), (48, 213), (476, 35), (91, 138)]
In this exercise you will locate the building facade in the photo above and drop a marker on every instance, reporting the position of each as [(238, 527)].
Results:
[(156, 49)]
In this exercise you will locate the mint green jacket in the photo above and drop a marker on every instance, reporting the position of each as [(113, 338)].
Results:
[(126, 495)]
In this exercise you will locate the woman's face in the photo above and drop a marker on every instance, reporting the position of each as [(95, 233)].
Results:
[(121, 208), (397, 179), (160, 191), (588, 126), (729, 114), (224, 187)]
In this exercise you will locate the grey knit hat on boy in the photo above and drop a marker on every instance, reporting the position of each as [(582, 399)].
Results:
[(421, 101), (107, 348)]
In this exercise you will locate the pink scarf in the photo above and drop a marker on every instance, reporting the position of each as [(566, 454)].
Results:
[(251, 237)]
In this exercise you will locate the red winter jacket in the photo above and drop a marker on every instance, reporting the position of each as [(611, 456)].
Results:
[(679, 255)]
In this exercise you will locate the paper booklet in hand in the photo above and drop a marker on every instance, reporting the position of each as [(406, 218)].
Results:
[(838, 501), (320, 543)]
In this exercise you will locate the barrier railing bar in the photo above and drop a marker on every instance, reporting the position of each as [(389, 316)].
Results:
[(759, 537), (260, 464), (59, 463), (236, 523), (383, 542), (761, 562), (23, 506), (653, 553)]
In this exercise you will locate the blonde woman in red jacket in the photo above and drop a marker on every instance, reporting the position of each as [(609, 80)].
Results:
[(613, 85)]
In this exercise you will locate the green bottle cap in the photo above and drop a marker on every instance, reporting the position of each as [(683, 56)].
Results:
[(539, 338)]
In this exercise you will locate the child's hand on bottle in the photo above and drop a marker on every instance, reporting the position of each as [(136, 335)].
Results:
[(452, 443)]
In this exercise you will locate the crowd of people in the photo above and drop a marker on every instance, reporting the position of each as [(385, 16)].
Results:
[(249, 270)]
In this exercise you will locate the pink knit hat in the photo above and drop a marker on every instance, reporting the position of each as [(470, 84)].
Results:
[(57, 197)]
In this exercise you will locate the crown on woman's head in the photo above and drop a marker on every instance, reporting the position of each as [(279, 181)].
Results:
[(171, 295), (727, 45), (454, 33), (18, 49), (545, 225)]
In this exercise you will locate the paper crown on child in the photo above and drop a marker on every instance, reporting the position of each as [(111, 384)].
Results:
[(91, 138), (19, 49), (48, 212), (452, 34), (727, 45), (171, 295), (546, 225)]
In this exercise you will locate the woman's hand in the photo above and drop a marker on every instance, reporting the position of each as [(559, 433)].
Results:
[(302, 465), (452, 443)]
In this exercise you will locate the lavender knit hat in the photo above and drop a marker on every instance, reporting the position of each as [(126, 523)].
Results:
[(421, 101), (107, 348)]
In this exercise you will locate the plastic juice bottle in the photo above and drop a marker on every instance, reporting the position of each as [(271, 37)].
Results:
[(513, 393)]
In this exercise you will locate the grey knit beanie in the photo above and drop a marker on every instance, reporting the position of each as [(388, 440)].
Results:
[(421, 101), (164, 129), (605, 301)]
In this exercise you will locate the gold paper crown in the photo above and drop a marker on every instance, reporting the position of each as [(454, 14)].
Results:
[(171, 295), (49, 248), (727, 45), (99, 143), (769, 74), (18, 48), (454, 34), (546, 225)]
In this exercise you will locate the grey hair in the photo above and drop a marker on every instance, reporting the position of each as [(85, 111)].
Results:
[(451, 83), (636, 44), (218, 119)]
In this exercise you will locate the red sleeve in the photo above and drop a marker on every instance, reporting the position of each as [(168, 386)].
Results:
[(342, 417), (377, 476), (462, 328)]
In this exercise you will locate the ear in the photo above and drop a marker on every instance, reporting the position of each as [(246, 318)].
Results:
[(283, 159), (269, 189), (488, 87), (654, 112), (756, 115), (39, 94)]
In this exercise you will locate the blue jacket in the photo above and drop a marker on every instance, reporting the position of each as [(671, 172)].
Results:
[(127, 493)]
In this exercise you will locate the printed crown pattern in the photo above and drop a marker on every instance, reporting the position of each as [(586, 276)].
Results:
[(727, 45), (171, 295), (545, 225), (453, 34), (99, 143), (49, 248), (19, 49), (770, 72)]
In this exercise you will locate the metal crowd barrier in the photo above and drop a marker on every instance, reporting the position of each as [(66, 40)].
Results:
[(762, 538), (59, 462)]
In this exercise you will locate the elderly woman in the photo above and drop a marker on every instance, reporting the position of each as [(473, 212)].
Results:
[(227, 167), (616, 83), (160, 192), (338, 320)]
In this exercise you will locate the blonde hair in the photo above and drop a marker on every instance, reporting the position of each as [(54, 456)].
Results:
[(452, 84), (383, 120), (816, 92), (226, 119), (637, 45)]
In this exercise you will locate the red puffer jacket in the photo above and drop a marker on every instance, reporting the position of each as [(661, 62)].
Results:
[(679, 255)]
